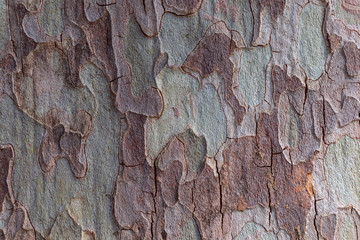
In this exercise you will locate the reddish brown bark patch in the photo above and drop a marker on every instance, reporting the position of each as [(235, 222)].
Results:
[(351, 6), (276, 7), (169, 183), (134, 199), (171, 172), (352, 54), (134, 140), (330, 118), (22, 44), (207, 203), (100, 41), (334, 41), (7, 66), (61, 143), (213, 56), (349, 112), (71, 143), (74, 12), (290, 194), (95, 39), (244, 176), (182, 194), (148, 15), (290, 185), (148, 104), (50, 148), (291, 85), (77, 53), (171, 210), (7, 63), (16, 222), (328, 226), (94, 10), (267, 131)]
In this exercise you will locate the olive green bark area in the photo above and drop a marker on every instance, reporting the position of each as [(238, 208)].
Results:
[(190, 231), (186, 105), (51, 18), (195, 149), (348, 228), (310, 45), (292, 130), (252, 73), (342, 170), (179, 35), (256, 231), (65, 227), (142, 53), (4, 25)]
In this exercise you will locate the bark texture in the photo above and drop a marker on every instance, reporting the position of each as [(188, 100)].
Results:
[(179, 119)]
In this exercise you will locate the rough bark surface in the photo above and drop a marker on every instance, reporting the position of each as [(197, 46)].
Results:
[(179, 119)]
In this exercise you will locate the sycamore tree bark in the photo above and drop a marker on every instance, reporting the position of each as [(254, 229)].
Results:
[(179, 119)]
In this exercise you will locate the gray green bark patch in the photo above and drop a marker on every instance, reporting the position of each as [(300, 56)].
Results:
[(142, 53), (252, 73), (195, 149), (342, 170), (310, 45), (292, 127), (51, 18), (186, 105), (4, 25)]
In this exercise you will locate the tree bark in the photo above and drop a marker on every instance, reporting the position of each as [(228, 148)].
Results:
[(179, 119)]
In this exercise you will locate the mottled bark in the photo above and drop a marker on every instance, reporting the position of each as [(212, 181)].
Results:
[(179, 119)]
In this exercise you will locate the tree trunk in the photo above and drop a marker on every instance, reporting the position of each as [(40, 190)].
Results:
[(179, 119)]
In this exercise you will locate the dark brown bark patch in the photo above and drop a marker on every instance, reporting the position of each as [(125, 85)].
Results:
[(6, 162)]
